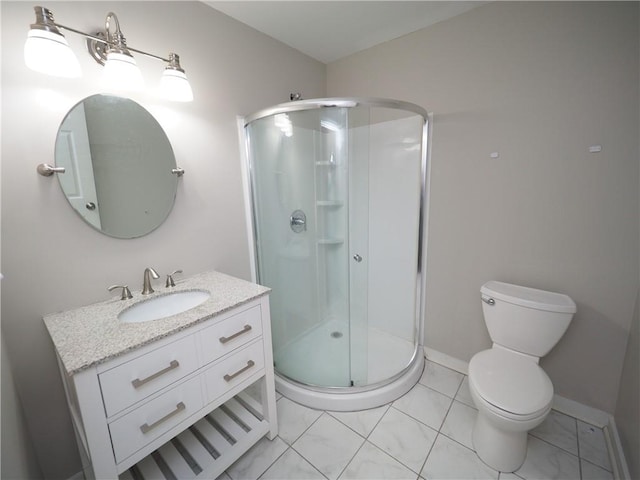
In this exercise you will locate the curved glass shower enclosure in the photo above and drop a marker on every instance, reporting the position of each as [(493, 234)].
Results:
[(337, 194)]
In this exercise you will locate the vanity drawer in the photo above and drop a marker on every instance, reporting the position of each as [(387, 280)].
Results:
[(147, 422), (233, 370), (135, 380), (235, 331)]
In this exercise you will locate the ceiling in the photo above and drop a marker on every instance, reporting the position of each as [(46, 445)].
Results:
[(330, 30)]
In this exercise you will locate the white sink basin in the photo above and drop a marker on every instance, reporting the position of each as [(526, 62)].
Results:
[(163, 306)]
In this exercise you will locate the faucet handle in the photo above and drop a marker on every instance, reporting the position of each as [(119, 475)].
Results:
[(170, 282), (126, 293)]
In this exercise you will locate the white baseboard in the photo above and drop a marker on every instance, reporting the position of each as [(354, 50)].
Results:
[(607, 423), (447, 360), (618, 460), (582, 412), (593, 416)]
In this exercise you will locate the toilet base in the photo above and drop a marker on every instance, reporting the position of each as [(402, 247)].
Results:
[(502, 450)]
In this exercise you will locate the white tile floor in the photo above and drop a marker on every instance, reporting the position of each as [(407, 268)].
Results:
[(426, 434)]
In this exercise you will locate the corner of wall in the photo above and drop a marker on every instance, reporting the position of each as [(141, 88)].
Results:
[(627, 415), (18, 455)]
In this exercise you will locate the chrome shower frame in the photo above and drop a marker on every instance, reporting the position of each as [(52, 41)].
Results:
[(375, 394)]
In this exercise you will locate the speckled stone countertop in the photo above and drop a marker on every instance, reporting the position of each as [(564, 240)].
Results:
[(91, 335)]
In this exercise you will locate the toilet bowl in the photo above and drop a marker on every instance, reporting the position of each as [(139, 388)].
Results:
[(512, 392), (513, 395)]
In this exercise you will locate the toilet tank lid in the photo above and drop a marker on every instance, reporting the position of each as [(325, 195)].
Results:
[(529, 297)]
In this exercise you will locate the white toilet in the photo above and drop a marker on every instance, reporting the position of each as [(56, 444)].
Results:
[(512, 393)]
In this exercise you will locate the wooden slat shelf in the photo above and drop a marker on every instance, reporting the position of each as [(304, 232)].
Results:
[(207, 448)]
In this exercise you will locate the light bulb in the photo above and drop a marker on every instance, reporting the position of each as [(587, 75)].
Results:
[(121, 72), (175, 86), (48, 52)]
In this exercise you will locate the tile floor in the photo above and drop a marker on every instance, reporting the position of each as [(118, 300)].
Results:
[(426, 434)]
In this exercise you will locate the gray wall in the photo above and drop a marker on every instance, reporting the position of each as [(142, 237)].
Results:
[(627, 413), (18, 455), (51, 259), (538, 82)]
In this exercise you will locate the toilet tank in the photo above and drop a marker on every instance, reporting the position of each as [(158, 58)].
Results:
[(525, 319)]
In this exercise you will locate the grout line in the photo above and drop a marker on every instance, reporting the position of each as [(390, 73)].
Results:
[(580, 467), (438, 433), (351, 459), (392, 456), (330, 412), (444, 419), (278, 458), (556, 446), (428, 454), (306, 460)]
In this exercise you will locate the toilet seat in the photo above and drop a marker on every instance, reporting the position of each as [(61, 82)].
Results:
[(513, 386)]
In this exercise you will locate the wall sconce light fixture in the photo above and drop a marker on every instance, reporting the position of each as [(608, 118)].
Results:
[(47, 51)]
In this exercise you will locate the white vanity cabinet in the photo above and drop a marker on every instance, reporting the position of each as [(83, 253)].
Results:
[(176, 407)]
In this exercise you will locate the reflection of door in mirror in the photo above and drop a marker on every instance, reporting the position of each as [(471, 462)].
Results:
[(129, 162), (74, 154)]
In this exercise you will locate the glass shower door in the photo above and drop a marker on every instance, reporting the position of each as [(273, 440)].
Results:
[(357, 256), (299, 185)]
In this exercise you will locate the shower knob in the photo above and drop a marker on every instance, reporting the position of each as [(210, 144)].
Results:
[(298, 221), (357, 258)]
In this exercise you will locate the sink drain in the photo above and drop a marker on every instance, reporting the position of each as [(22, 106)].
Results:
[(336, 334)]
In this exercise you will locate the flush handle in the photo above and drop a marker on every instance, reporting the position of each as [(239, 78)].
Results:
[(488, 300)]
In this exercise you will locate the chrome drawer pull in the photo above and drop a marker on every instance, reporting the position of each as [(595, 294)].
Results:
[(137, 383), (228, 377), (145, 428), (247, 328)]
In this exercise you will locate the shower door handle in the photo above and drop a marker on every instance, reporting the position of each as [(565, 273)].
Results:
[(357, 258)]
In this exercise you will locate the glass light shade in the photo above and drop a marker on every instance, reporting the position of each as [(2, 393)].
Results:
[(122, 72), (49, 53), (175, 86)]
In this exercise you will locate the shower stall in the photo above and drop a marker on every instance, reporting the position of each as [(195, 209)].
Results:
[(337, 205)]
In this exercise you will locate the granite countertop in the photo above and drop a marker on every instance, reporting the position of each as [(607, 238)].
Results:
[(91, 335)]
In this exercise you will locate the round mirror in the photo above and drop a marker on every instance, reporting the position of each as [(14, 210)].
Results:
[(118, 164)]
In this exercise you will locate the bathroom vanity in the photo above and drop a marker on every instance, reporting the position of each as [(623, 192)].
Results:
[(167, 398)]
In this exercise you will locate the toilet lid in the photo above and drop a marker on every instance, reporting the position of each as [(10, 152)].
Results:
[(510, 382)]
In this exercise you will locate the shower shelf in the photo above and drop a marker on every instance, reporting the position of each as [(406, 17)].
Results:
[(330, 241), (326, 163), (329, 203)]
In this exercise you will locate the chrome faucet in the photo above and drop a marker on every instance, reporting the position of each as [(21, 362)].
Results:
[(146, 284)]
